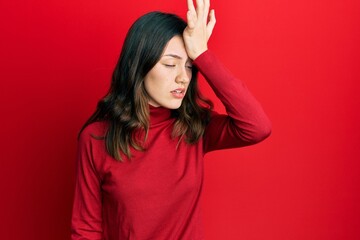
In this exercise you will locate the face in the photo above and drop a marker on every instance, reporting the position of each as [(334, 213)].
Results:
[(167, 82)]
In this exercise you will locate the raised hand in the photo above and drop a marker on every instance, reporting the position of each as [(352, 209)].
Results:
[(200, 26)]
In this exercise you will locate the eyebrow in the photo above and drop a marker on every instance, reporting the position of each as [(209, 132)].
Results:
[(173, 55), (176, 56)]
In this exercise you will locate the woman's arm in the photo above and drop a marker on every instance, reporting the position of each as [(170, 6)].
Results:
[(245, 122), (86, 222)]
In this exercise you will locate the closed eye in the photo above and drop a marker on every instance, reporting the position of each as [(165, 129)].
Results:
[(169, 65)]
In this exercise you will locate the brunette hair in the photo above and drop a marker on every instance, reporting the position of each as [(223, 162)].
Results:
[(125, 107)]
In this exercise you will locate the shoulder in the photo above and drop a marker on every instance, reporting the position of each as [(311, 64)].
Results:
[(95, 130), (215, 115), (216, 121), (91, 142)]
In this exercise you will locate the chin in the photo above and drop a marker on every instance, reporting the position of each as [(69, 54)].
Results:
[(173, 105)]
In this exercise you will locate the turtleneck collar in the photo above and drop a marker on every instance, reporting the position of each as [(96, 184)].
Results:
[(159, 114)]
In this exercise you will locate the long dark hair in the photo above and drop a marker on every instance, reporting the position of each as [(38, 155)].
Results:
[(125, 107)]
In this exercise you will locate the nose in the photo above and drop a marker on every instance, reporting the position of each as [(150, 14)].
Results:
[(184, 76)]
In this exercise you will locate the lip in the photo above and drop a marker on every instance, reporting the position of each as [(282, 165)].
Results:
[(178, 93)]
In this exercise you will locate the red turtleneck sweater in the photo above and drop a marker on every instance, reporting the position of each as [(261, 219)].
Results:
[(156, 195)]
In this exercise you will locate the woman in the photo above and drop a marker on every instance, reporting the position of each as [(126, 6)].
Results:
[(140, 157)]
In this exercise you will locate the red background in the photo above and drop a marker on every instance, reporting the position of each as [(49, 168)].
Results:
[(300, 58)]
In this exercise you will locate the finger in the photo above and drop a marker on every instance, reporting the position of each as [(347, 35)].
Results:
[(211, 24), (206, 9), (191, 6), (200, 9), (191, 19)]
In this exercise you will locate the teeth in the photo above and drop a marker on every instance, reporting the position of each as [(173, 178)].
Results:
[(177, 91)]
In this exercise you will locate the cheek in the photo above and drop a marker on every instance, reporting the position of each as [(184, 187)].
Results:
[(154, 84), (150, 80), (189, 74), (149, 86)]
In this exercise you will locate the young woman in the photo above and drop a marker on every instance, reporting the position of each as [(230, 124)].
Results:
[(140, 155)]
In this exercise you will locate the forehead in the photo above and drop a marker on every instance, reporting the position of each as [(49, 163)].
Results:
[(176, 47)]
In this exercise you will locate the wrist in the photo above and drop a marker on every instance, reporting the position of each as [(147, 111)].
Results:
[(193, 55)]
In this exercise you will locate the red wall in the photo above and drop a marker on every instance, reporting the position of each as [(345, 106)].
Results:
[(300, 58)]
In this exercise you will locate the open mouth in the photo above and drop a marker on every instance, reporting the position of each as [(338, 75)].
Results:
[(178, 93)]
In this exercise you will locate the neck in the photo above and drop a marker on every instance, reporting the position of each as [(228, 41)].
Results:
[(159, 114)]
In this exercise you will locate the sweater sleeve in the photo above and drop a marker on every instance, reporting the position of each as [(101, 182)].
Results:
[(86, 222), (245, 122)]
